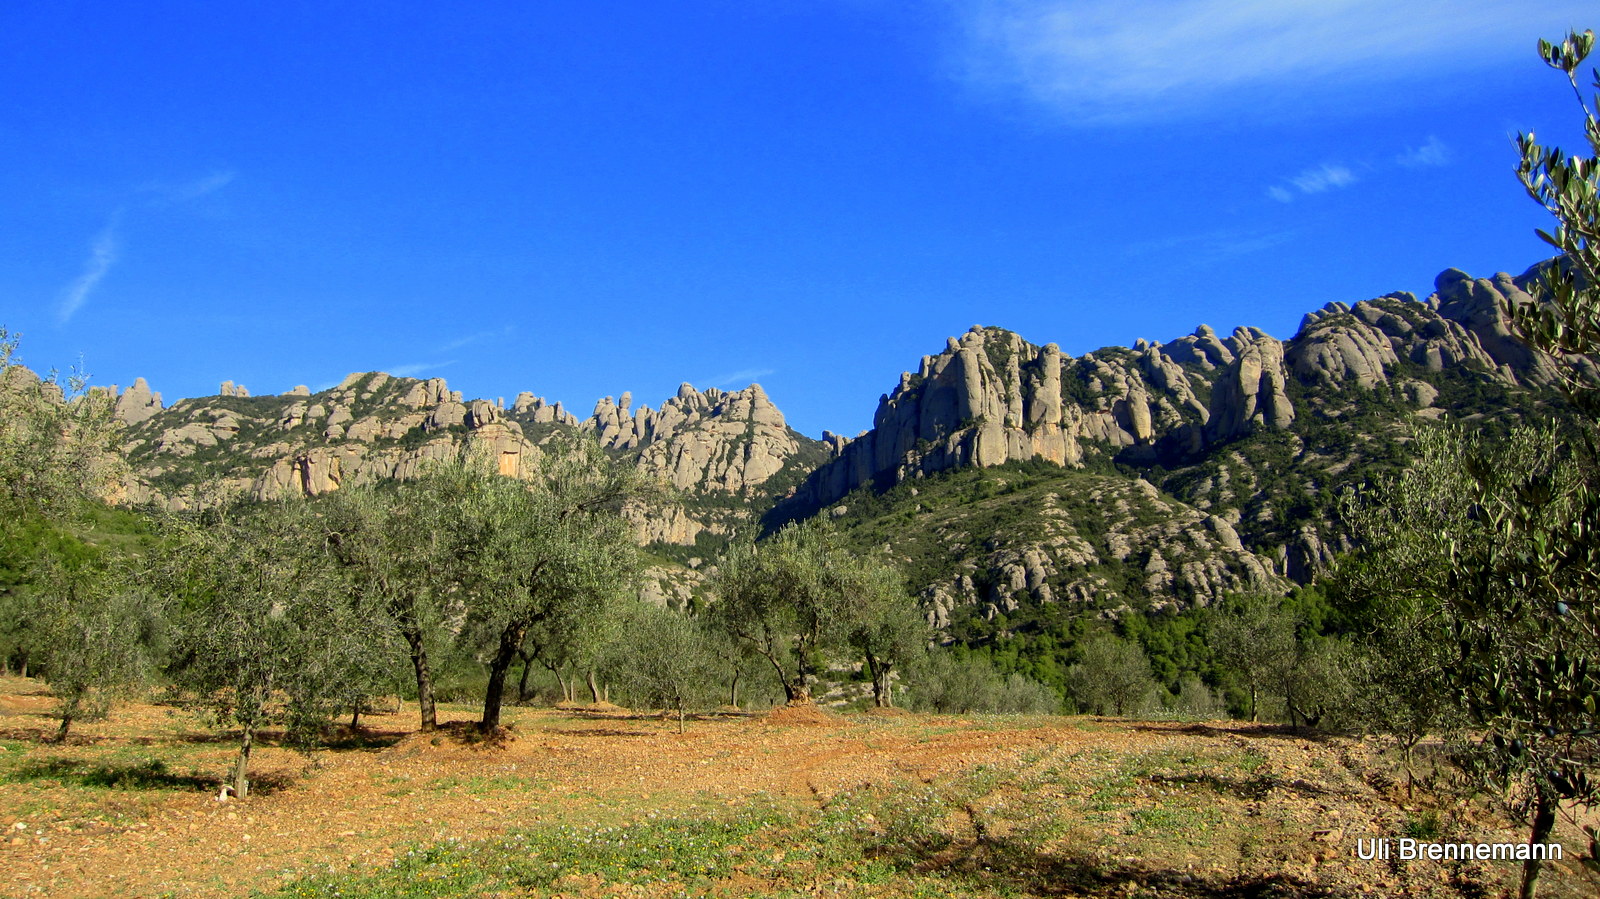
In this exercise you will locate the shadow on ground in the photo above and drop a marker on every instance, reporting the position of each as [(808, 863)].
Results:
[(1007, 867)]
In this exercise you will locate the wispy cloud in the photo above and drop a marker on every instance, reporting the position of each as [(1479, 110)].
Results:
[(102, 255), (479, 337), (1100, 60), (105, 249), (412, 369), (1212, 246), (741, 377), (1431, 154), (1323, 178), (1316, 180), (163, 193)]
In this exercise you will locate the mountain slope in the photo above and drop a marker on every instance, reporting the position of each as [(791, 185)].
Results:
[(1006, 476)]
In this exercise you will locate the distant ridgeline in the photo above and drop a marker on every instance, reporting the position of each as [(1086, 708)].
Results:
[(1004, 475)]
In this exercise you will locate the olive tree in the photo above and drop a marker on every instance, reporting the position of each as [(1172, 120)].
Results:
[(263, 635), (64, 602), (1111, 677), (1564, 321), (884, 624), (789, 599), (1253, 639), (546, 551), (1487, 551), (392, 547), (97, 633), (665, 659)]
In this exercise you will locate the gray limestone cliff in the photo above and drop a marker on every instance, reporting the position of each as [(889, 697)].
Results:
[(991, 397), (720, 450)]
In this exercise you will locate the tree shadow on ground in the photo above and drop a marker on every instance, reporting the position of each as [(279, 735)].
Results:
[(150, 774), (47, 736), (1241, 729), (1006, 867), (1256, 786), (467, 733), (344, 738)]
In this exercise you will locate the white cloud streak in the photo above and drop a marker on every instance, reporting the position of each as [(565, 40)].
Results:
[(159, 194), (1430, 155), (1323, 178), (1317, 180), (742, 377), (470, 339), (412, 369), (1212, 246), (1105, 60), (199, 187), (105, 249), (103, 252)]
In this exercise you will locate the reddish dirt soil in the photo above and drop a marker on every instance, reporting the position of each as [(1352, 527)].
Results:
[(359, 807)]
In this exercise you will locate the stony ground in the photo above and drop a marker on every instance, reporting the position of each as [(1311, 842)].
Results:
[(860, 804)]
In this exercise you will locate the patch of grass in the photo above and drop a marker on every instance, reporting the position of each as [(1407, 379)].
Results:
[(148, 774), (683, 853), (1168, 819), (1251, 760), (1425, 826), (479, 784)]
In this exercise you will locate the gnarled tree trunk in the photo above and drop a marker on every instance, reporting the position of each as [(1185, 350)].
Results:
[(419, 662), (494, 696)]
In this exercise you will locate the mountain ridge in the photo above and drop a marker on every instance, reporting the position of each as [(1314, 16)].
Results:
[(1213, 457)]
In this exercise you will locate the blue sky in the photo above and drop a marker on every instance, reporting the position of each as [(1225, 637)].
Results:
[(581, 198)]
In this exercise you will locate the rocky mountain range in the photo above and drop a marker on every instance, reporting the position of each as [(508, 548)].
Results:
[(1004, 474)]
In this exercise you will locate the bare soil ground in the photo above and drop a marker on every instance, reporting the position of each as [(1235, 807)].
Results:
[(1020, 806)]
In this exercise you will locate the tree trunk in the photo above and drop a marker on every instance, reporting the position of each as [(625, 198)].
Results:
[(733, 692), (522, 684), (419, 661), (66, 722), (680, 717), (1254, 709), (1409, 746), (510, 642), (880, 682), (594, 688), (355, 716), (1544, 820), (560, 681), (241, 768)]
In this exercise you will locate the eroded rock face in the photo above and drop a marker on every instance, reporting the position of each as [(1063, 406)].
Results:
[(137, 403), (373, 427), (988, 398), (731, 442), (1251, 391), (991, 397), (368, 428)]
